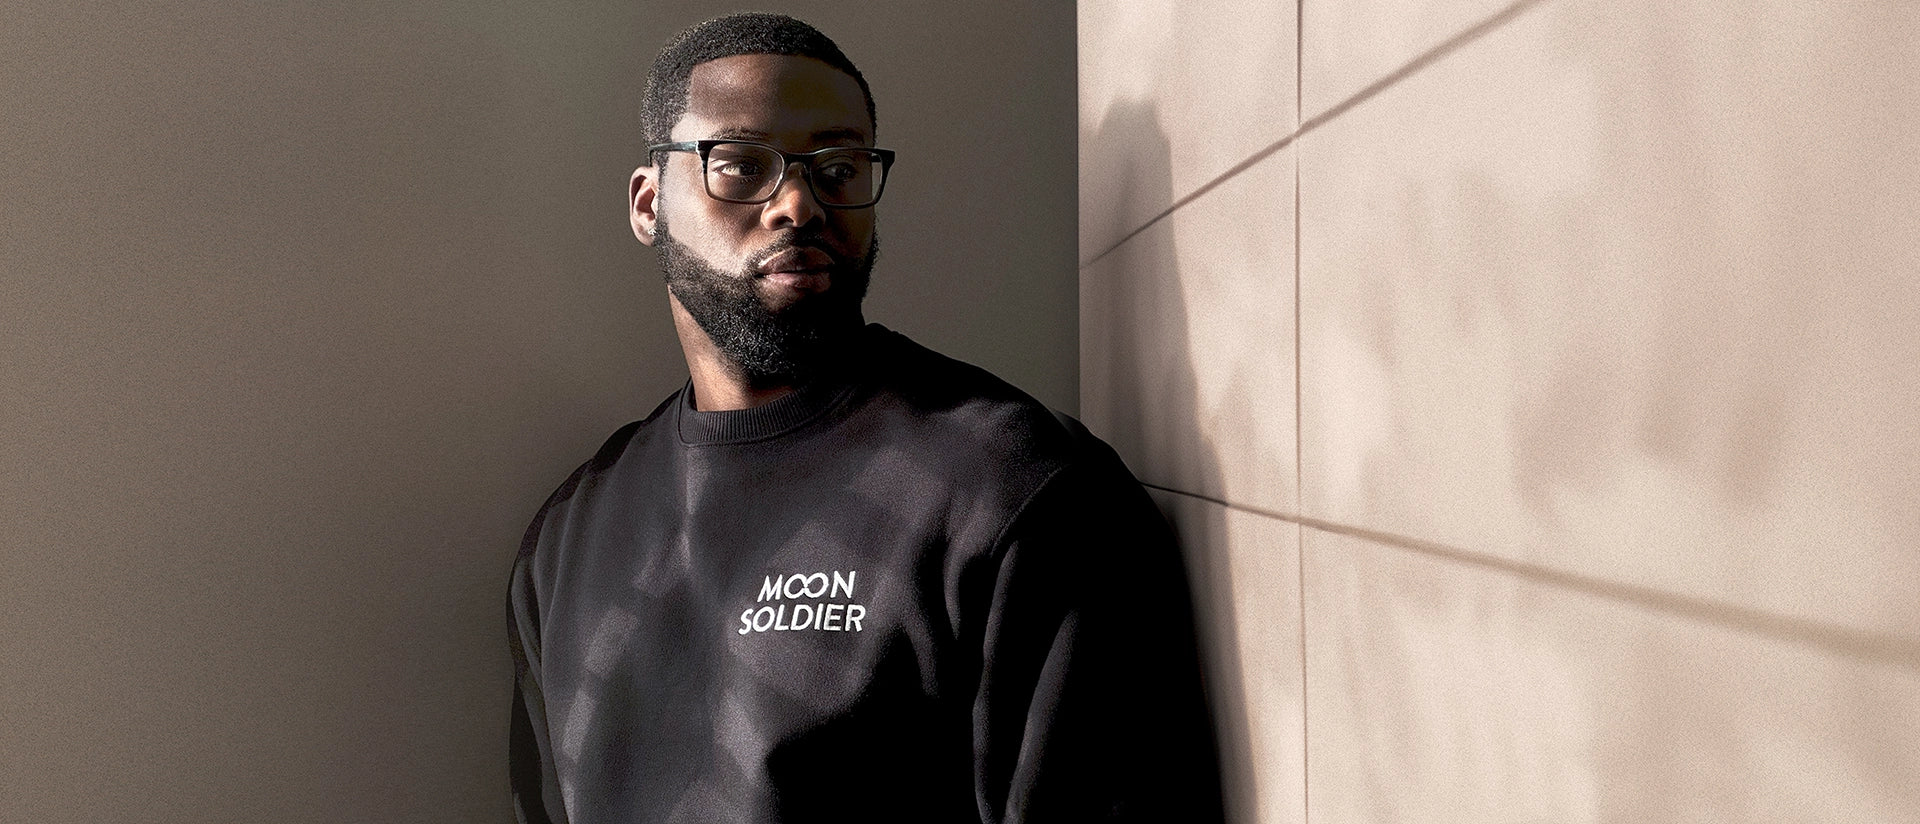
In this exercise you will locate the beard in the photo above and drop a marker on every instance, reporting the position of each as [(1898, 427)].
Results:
[(772, 347)]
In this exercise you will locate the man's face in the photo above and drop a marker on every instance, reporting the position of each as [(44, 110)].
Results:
[(770, 283)]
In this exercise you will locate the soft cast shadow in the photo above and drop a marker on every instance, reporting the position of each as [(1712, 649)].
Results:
[(1136, 376)]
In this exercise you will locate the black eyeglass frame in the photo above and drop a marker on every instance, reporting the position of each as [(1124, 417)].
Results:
[(787, 159)]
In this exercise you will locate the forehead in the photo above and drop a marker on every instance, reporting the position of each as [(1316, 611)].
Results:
[(785, 98)]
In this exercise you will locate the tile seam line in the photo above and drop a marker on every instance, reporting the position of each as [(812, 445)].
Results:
[(1299, 479), (1391, 79), (1860, 645)]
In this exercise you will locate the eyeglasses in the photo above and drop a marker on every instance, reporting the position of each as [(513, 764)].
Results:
[(738, 171)]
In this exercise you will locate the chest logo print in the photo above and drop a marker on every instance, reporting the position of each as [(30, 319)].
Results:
[(818, 601)]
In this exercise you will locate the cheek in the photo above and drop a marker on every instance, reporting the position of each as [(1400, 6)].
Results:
[(715, 237), (697, 220)]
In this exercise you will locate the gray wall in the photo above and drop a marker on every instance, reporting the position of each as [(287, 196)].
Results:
[(303, 311)]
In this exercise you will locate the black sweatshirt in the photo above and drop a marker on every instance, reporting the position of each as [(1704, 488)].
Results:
[(904, 593)]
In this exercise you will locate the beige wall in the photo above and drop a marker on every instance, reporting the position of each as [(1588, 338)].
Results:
[(1534, 385), (304, 308)]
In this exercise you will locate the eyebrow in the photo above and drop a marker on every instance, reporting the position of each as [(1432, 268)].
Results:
[(842, 133)]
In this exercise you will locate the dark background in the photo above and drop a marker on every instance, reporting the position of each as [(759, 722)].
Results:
[(304, 308)]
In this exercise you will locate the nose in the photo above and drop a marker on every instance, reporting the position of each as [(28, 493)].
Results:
[(792, 204)]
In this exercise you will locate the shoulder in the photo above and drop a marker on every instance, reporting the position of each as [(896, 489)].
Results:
[(589, 475), (959, 408), (955, 401)]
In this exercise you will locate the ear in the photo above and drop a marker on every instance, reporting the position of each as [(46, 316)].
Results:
[(643, 191)]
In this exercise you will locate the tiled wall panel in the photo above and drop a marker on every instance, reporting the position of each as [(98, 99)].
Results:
[(1350, 45), (1606, 440), (1446, 692), (1187, 332), (1628, 290), (1187, 336), (1187, 340), (1172, 94), (1245, 570), (1186, 357)]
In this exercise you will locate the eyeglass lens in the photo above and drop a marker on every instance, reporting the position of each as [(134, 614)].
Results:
[(748, 173)]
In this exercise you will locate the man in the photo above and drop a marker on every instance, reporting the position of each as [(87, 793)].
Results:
[(837, 577)]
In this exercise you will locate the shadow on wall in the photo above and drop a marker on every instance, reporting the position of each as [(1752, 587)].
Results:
[(1134, 350)]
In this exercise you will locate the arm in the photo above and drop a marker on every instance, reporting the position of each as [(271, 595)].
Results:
[(1091, 705), (530, 768)]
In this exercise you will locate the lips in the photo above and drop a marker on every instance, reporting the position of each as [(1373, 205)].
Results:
[(797, 260)]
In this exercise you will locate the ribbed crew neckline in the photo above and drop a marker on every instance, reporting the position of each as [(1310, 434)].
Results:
[(779, 416)]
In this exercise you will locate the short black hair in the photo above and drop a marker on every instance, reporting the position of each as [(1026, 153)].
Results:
[(744, 33)]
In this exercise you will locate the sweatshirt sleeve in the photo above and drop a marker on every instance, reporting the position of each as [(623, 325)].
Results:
[(1091, 705), (530, 766)]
